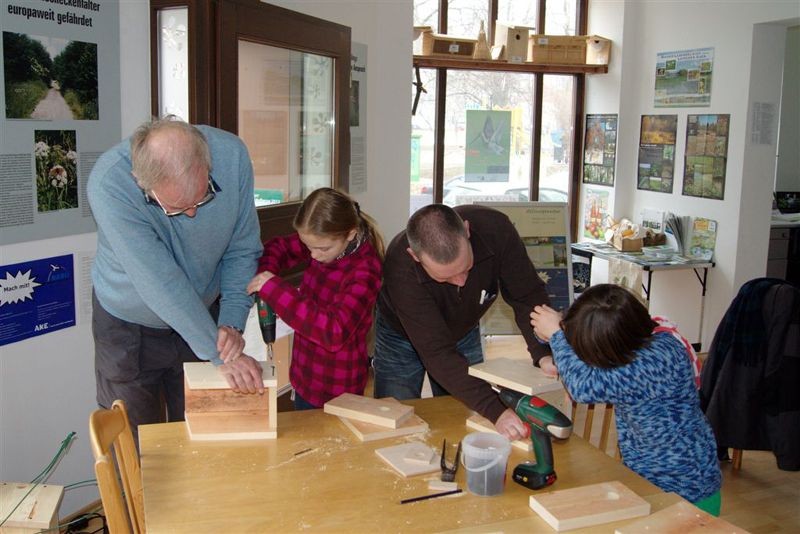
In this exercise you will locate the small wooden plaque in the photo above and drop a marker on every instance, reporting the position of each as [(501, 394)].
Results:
[(204, 375), (586, 506), (224, 426), (519, 375), (681, 518), (382, 412), (396, 456), (369, 432)]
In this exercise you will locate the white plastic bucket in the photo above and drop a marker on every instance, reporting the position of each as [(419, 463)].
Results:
[(485, 455)]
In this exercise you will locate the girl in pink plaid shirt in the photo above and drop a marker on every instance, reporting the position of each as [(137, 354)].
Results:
[(331, 311)]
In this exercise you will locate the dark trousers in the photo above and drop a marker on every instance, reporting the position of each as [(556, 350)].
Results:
[(139, 365)]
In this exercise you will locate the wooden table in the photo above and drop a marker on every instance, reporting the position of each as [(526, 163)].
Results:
[(340, 484)]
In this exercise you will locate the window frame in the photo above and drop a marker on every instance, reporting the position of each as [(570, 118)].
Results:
[(579, 74)]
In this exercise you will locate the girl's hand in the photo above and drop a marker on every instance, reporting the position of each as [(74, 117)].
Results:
[(548, 367), (258, 280), (545, 322)]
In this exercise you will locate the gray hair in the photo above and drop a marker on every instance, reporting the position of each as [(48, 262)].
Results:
[(437, 231), (168, 149)]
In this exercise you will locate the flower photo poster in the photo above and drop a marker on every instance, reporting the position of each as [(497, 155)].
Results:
[(657, 153), (60, 111)]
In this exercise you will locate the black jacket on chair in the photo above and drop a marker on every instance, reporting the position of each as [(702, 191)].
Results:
[(750, 383)]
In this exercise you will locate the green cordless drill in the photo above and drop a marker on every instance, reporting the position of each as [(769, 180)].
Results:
[(543, 420), (266, 321)]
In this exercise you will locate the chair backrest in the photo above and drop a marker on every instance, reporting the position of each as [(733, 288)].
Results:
[(597, 426), (111, 439)]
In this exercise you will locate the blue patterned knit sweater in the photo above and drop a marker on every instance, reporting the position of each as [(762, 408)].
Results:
[(663, 434)]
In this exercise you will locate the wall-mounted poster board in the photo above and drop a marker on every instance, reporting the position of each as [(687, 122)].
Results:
[(60, 93), (544, 229)]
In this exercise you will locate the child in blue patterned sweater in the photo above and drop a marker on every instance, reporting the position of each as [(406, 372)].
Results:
[(608, 349)]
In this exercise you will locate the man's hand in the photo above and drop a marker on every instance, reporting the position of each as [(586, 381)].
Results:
[(548, 367), (243, 375), (230, 343), (545, 322), (511, 426), (258, 280)]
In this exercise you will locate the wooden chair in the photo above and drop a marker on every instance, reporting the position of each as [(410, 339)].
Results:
[(594, 415), (111, 437)]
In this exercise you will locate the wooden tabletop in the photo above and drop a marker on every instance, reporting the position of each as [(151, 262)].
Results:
[(339, 483)]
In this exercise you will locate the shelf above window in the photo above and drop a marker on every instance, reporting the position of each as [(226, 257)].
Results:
[(430, 62)]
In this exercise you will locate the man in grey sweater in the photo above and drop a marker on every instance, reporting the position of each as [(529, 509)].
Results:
[(177, 242)]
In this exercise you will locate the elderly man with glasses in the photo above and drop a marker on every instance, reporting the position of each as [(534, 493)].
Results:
[(177, 243)]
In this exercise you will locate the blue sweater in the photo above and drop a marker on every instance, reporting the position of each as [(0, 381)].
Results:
[(663, 434), (161, 271)]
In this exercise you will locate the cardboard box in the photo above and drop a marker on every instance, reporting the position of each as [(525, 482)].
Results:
[(557, 49), (627, 245), (439, 45), (514, 39), (598, 50)]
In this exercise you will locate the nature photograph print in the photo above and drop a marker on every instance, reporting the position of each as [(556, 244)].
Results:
[(56, 157), (49, 78)]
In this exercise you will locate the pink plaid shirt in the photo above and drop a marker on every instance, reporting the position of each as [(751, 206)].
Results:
[(331, 314)]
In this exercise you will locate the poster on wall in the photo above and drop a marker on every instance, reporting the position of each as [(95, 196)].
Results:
[(595, 211), (683, 78), (61, 111), (705, 160), (36, 298), (544, 229), (358, 118), (600, 149), (657, 153), (488, 143)]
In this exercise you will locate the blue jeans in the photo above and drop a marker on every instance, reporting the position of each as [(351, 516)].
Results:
[(399, 373), (301, 404)]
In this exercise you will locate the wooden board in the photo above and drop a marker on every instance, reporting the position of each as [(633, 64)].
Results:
[(681, 518), (226, 426), (222, 400), (381, 412), (586, 506), (396, 455), (39, 510), (481, 424), (368, 432), (204, 375), (516, 374)]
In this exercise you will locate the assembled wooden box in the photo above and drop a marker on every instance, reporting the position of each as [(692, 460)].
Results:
[(598, 50), (514, 40), (214, 412), (557, 49), (28, 508), (438, 45)]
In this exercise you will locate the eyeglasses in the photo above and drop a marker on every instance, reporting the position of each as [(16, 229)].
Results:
[(211, 193)]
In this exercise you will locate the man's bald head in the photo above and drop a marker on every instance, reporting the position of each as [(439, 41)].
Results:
[(437, 231), (168, 151)]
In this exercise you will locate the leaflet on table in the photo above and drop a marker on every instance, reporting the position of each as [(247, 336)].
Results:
[(694, 237)]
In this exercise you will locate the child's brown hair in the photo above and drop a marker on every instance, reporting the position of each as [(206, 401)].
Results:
[(328, 212), (606, 325)]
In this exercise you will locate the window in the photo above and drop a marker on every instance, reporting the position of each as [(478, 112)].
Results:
[(278, 79), (489, 134)]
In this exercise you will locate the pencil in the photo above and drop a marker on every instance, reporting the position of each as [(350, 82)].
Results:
[(431, 496)]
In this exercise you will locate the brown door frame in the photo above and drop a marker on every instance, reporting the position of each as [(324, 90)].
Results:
[(215, 28)]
